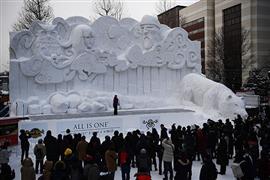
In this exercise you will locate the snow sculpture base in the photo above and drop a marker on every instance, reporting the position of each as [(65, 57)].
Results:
[(105, 123)]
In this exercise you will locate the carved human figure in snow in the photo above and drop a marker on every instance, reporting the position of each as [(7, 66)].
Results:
[(150, 30), (87, 63), (82, 38)]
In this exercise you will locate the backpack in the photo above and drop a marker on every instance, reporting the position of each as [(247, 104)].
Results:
[(237, 170), (123, 157), (143, 177), (39, 153)]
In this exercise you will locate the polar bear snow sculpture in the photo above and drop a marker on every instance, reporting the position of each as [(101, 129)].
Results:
[(210, 96)]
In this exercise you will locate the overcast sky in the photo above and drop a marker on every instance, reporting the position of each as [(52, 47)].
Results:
[(65, 8)]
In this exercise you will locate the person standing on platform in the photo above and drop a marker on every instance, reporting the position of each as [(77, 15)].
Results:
[(115, 104)]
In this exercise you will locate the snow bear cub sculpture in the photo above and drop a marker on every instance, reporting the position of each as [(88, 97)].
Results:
[(211, 96)]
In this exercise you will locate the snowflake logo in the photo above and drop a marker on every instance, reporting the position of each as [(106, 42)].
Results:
[(150, 123)]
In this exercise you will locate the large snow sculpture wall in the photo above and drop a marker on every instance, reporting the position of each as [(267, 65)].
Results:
[(127, 57)]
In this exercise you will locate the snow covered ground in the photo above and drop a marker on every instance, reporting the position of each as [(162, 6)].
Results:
[(15, 164)]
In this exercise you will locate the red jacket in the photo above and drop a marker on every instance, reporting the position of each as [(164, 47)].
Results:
[(142, 176)]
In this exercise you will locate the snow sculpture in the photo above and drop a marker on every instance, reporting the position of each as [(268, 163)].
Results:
[(150, 30), (65, 64), (211, 96)]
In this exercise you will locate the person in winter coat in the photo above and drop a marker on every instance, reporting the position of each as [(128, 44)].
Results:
[(222, 155), (59, 172), (93, 148), (27, 170), (4, 154), (110, 158), (116, 103), (24, 144), (95, 141), (6, 172), (143, 161), (158, 149), (60, 146), (91, 170), (201, 142), (82, 148), (248, 167), (264, 166), (208, 170), (104, 147), (152, 150), (124, 161), (50, 142), (143, 175), (168, 157), (129, 140), (181, 166), (47, 170), (73, 165), (40, 152), (163, 132), (143, 143)]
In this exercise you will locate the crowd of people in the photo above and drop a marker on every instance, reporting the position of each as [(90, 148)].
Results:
[(170, 152)]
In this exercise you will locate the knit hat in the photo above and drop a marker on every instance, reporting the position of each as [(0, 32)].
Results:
[(143, 151), (68, 152)]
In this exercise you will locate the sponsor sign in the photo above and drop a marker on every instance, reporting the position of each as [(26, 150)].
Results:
[(149, 122), (86, 127)]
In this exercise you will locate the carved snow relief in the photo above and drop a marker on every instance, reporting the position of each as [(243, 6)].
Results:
[(126, 56)]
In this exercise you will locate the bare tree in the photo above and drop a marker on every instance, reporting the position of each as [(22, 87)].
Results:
[(112, 8), (31, 11), (215, 66), (248, 62), (216, 55), (164, 5)]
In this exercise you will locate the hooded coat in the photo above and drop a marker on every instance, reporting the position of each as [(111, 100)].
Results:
[(27, 170), (168, 150), (59, 172), (222, 155), (47, 171), (208, 171), (4, 156), (110, 157), (43, 151), (81, 149), (91, 171)]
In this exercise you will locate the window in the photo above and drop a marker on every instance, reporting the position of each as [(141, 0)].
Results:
[(232, 47)]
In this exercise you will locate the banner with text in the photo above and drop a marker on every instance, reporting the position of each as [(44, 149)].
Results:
[(86, 126)]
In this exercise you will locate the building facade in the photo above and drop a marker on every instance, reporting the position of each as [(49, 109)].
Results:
[(233, 18), (171, 17)]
